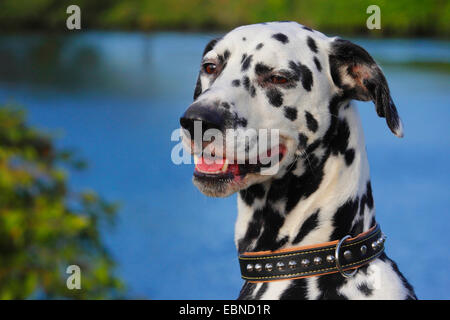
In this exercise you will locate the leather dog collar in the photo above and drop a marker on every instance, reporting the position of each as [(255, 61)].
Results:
[(316, 260)]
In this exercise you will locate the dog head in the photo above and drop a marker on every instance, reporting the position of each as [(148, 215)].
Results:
[(264, 92)]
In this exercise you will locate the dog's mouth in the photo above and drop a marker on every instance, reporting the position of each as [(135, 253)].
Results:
[(214, 176)]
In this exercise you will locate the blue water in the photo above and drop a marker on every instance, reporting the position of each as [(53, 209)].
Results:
[(116, 98)]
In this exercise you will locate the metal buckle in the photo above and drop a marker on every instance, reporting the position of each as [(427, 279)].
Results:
[(338, 264)]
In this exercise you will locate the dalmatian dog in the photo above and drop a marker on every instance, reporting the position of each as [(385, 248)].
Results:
[(288, 77)]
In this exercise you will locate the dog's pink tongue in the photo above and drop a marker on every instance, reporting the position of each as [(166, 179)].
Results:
[(209, 165)]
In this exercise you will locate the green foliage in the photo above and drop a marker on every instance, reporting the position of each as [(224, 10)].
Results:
[(398, 17), (44, 227)]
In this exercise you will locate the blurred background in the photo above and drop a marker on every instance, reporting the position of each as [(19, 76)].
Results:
[(86, 117)]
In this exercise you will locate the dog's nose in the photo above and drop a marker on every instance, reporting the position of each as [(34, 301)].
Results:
[(208, 116)]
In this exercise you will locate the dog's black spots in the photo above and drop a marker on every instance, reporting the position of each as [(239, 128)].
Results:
[(307, 28), (297, 290), (313, 146), (307, 79), (246, 83), (277, 190), (358, 226), (241, 122), (271, 222), (221, 58), (253, 230), (308, 225), (343, 218), (281, 37), (261, 69), (362, 205), (329, 287), (275, 97), (302, 140), (246, 63), (340, 140), (312, 161), (224, 66), (369, 195), (247, 290), (198, 88), (366, 199), (253, 192), (290, 113), (232, 119), (210, 45), (311, 44), (236, 83), (250, 88), (244, 56), (259, 46), (333, 109), (244, 39), (261, 291), (364, 288), (311, 122), (226, 54), (225, 105), (303, 73), (283, 241), (349, 156), (252, 91), (317, 63), (373, 222), (334, 70), (294, 188)]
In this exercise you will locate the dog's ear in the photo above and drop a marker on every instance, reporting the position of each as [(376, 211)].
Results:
[(357, 74), (198, 85)]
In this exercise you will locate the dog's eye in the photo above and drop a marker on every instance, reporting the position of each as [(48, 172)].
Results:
[(209, 68), (278, 80)]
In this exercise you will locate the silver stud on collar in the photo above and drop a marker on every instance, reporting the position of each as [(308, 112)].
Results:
[(374, 245), (317, 260), (249, 267), (292, 264), (330, 259), (363, 249), (305, 262), (258, 267), (347, 255), (280, 265), (380, 242), (269, 266)]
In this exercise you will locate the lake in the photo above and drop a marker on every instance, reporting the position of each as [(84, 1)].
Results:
[(116, 97)]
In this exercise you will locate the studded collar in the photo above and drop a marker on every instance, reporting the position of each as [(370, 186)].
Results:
[(316, 260)]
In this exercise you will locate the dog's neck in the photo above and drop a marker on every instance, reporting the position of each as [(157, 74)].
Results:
[(324, 196)]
